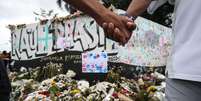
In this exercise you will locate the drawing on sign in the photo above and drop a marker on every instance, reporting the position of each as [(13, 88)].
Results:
[(40, 40), (149, 45), (94, 62)]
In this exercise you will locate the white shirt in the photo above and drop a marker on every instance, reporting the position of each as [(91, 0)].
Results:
[(185, 59)]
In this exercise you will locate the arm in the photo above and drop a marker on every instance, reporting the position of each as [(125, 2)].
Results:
[(137, 7), (119, 31), (91, 7)]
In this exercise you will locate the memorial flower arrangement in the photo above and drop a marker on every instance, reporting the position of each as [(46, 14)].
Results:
[(62, 87)]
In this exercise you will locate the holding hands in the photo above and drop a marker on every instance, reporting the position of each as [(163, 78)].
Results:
[(116, 27)]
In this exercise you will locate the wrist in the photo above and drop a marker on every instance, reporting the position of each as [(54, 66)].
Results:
[(101, 13), (130, 17), (134, 13)]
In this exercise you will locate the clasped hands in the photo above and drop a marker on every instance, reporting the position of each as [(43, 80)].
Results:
[(116, 27)]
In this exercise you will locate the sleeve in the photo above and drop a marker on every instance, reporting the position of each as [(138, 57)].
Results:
[(155, 4)]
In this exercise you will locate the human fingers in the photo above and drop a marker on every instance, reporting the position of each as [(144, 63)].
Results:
[(126, 32), (106, 28), (126, 25), (127, 19), (110, 29), (129, 23), (119, 36), (105, 25), (115, 35), (131, 26)]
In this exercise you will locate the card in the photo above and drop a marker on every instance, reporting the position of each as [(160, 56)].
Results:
[(94, 62)]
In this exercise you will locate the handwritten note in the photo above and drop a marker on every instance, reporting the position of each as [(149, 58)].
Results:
[(94, 62)]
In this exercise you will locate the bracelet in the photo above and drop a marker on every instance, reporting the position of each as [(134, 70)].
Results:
[(131, 17)]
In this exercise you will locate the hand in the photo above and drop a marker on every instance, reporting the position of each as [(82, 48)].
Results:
[(116, 27), (111, 30)]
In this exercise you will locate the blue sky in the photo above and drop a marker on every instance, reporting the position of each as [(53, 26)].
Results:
[(21, 11)]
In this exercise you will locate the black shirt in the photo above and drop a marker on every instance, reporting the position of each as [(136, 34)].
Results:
[(5, 86)]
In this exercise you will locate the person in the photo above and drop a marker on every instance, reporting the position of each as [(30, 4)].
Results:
[(9, 62), (122, 25), (183, 81), (5, 86), (5, 58), (183, 67)]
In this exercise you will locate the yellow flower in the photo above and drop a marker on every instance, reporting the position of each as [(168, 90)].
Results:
[(151, 89), (75, 91), (53, 82)]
